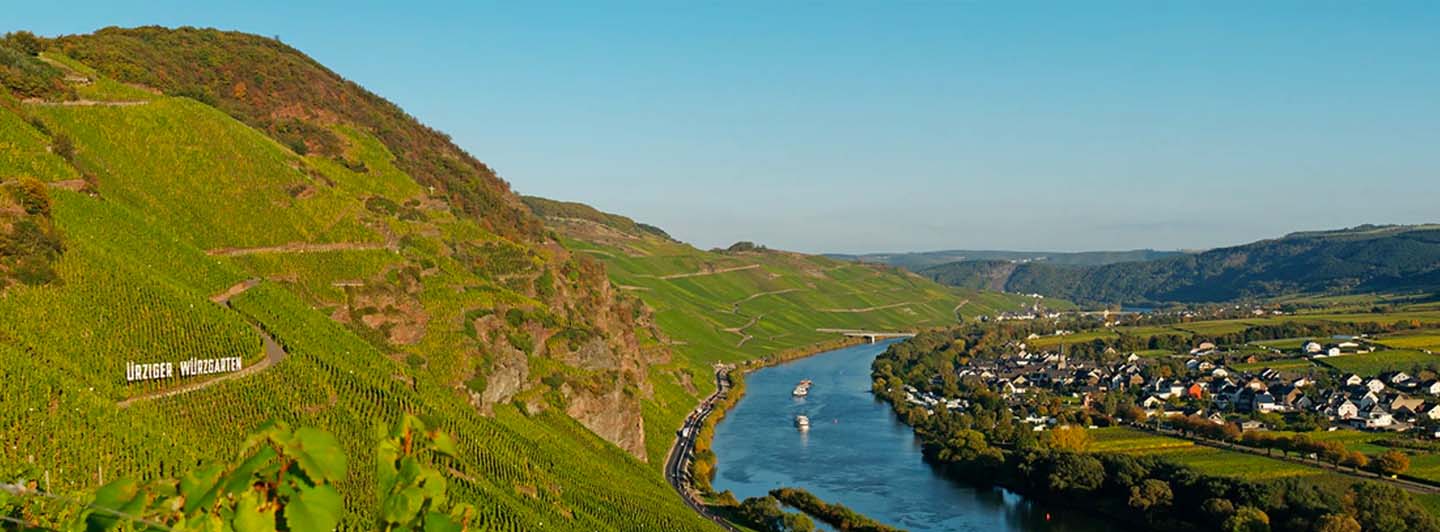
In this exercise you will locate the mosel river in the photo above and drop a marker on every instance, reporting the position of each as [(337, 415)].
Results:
[(857, 453)]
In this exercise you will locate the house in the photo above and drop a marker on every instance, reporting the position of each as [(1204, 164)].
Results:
[(1399, 378), (1196, 390), (1250, 424), (1333, 352), (1430, 411), (1406, 405), (1345, 409), (1354, 380), (1375, 385), (1377, 418), (1431, 387), (1312, 347)]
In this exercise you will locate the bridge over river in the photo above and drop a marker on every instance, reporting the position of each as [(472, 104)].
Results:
[(872, 336)]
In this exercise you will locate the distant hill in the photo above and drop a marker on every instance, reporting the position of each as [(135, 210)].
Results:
[(1363, 259), (920, 260)]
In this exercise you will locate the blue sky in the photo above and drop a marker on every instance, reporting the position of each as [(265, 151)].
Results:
[(884, 126)]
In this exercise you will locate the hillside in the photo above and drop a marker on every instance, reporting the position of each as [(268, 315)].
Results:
[(1366, 259), (716, 306), (919, 260), (169, 195)]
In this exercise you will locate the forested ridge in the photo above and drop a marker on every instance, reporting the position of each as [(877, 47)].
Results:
[(1366, 259)]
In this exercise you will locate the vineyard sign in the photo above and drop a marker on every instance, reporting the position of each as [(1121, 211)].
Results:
[(188, 368)]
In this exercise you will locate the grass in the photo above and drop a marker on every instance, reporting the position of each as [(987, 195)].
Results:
[(1205, 459), (1381, 361), (1425, 340), (1287, 364)]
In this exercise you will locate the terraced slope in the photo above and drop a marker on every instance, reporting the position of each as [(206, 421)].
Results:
[(731, 307), (387, 295)]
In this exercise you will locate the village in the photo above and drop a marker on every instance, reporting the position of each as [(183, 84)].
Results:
[(1205, 385)]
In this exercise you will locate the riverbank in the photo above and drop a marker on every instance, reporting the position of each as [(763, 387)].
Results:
[(703, 467)]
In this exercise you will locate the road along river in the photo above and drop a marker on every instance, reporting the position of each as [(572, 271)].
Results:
[(858, 453)]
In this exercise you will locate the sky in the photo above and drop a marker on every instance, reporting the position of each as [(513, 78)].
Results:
[(901, 126)]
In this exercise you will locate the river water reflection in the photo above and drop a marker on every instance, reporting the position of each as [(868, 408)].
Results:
[(857, 453)]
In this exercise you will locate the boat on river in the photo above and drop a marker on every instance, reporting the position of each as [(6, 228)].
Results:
[(802, 422), (802, 389)]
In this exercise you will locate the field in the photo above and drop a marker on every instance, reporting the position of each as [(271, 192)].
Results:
[(1289, 364), (1382, 361), (1421, 340), (1205, 459), (1080, 337)]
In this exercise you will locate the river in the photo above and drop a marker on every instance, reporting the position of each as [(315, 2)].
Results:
[(858, 453)]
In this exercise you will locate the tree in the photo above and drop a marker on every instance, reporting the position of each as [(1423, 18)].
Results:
[(1391, 463), (1151, 494), (1069, 438), (1385, 507), (31, 195), (62, 145), (1217, 509), (1247, 519), (25, 41), (1070, 472), (968, 447), (1355, 460), (764, 514), (1337, 523)]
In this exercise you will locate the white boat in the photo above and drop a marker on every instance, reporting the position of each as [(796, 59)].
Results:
[(802, 423), (802, 389)]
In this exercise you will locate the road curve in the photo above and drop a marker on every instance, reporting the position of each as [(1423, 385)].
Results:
[(677, 461)]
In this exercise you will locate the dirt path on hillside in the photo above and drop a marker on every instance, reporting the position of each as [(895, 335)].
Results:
[(744, 337), (956, 310), (735, 307), (87, 103), (867, 309), (708, 272), (273, 354), (73, 185), (298, 247)]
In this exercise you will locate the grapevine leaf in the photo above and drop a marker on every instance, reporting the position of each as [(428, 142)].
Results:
[(433, 487), (198, 487), (436, 522), (444, 444), (316, 509), (385, 471), (250, 517), (319, 455), (200, 523), (261, 464), (402, 507), (117, 496)]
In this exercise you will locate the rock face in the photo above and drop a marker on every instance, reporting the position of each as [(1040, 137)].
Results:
[(614, 415)]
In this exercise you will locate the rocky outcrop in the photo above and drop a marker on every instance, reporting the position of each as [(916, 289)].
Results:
[(614, 415)]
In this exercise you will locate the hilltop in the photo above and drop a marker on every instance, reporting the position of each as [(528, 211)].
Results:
[(1365, 259)]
